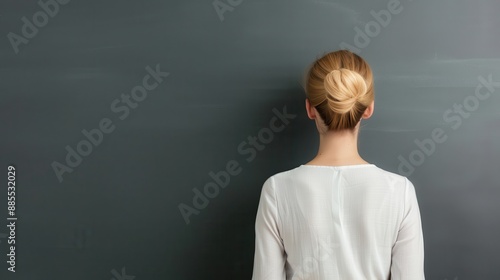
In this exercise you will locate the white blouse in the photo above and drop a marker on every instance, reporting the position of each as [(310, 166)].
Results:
[(353, 222)]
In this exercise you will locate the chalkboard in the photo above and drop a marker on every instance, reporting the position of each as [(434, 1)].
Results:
[(138, 134)]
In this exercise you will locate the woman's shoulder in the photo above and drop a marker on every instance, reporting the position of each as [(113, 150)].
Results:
[(369, 173)]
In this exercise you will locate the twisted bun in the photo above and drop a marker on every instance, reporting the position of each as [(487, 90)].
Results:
[(340, 96), (344, 87)]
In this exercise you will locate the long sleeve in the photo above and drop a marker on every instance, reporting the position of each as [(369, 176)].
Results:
[(408, 251), (270, 256)]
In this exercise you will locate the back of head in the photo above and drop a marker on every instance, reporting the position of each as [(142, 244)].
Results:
[(340, 86)]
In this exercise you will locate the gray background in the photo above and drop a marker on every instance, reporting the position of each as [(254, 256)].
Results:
[(119, 207)]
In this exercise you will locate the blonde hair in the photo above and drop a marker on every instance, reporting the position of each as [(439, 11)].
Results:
[(340, 86)]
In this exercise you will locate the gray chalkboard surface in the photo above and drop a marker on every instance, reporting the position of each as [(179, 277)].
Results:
[(139, 133)]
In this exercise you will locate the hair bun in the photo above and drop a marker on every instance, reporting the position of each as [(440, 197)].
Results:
[(344, 87)]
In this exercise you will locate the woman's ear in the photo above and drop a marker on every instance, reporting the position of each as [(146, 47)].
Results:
[(310, 111), (369, 111)]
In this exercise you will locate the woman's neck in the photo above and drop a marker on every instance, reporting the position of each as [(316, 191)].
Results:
[(338, 148)]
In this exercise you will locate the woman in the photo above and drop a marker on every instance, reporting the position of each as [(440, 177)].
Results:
[(338, 216)]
